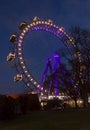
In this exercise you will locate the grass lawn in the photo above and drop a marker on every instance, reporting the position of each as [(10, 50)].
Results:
[(50, 120)]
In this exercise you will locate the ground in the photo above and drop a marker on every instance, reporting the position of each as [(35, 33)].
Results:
[(73, 119)]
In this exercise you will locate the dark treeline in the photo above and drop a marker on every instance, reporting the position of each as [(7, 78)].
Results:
[(23, 104)]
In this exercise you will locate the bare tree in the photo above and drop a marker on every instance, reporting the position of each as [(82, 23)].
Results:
[(81, 62)]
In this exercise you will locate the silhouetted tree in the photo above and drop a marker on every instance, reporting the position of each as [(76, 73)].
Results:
[(81, 62), (7, 107), (29, 102)]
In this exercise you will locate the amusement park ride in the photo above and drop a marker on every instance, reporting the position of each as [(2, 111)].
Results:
[(17, 56), (56, 79)]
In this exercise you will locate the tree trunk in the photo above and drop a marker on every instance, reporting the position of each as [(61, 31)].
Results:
[(75, 100), (85, 96)]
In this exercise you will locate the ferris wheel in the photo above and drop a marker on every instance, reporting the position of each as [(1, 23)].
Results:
[(17, 55)]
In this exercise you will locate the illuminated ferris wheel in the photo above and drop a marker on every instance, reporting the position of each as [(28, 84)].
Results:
[(18, 55)]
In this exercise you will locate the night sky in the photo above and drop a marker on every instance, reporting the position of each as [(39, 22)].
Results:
[(64, 13)]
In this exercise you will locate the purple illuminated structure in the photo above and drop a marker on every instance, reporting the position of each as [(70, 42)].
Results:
[(51, 69), (55, 75)]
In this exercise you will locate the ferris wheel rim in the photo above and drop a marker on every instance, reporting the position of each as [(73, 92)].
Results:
[(47, 26)]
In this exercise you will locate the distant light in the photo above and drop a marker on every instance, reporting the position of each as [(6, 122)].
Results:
[(41, 88), (28, 84), (19, 49), (19, 53), (35, 82), (19, 44), (20, 58), (23, 67), (20, 41), (38, 86), (24, 31)]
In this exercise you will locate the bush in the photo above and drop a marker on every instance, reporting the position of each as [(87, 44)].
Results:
[(53, 104), (7, 107), (29, 102)]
